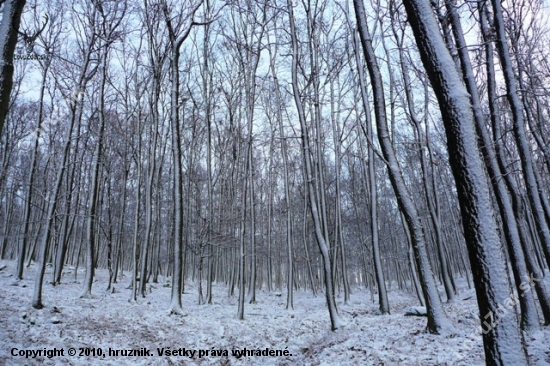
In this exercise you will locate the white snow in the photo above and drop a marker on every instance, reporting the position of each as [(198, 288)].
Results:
[(416, 311), (109, 320)]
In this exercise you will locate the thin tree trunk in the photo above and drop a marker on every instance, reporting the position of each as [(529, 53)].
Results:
[(437, 320), (91, 220), (45, 237), (519, 130), (338, 235), (288, 209), (371, 188), (175, 43), (31, 181), (319, 232), (241, 257)]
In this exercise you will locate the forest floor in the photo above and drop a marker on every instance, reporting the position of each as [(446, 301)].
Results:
[(109, 322)]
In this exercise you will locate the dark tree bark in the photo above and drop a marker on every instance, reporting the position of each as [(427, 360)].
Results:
[(502, 341), (437, 320), (11, 17), (371, 188), (520, 134), (176, 38), (312, 192), (529, 318)]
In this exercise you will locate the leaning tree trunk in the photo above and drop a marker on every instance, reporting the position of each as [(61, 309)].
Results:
[(520, 133), (45, 237), (543, 293), (94, 189), (437, 320), (529, 317), (31, 183), (11, 17), (311, 192), (371, 188), (502, 340), (429, 188)]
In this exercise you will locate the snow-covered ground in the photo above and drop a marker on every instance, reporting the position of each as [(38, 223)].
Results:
[(293, 337)]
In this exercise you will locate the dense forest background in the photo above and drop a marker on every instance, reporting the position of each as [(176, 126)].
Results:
[(307, 145)]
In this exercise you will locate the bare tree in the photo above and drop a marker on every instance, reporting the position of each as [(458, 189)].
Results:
[(11, 18), (109, 22), (369, 181), (312, 192), (502, 342), (178, 31), (74, 100), (437, 320)]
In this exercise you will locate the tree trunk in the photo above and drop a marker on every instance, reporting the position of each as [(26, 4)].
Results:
[(519, 131), (311, 191), (529, 317), (502, 340), (31, 182), (91, 220), (175, 45), (437, 320), (9, 27)]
